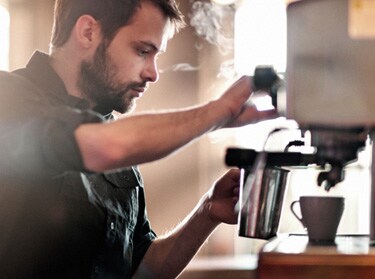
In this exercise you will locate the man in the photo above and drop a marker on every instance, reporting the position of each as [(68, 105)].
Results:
[(71, 201)]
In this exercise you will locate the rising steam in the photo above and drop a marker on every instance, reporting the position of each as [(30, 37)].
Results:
[(211, 23), (214, 24)]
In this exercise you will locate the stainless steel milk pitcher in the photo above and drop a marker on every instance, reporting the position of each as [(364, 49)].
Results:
[(261, 198)]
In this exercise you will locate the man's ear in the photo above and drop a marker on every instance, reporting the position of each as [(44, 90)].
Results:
[(87, 31)]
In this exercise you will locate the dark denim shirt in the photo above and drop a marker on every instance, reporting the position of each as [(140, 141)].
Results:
[(59, 220)]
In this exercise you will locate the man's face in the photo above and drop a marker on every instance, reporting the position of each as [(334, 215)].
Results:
[(119, 72), (100, 85)]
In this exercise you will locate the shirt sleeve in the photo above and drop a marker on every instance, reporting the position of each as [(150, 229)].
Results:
[(35, 136)]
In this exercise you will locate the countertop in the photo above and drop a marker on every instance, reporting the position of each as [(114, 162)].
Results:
[(221, 267), (351, 256)]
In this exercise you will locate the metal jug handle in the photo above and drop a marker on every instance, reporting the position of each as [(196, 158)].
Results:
[(295, 214)]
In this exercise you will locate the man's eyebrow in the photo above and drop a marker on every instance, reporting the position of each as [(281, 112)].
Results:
[(152, 45)]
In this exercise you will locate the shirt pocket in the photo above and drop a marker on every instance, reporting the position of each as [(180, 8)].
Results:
[(123, 194), (125, 178)]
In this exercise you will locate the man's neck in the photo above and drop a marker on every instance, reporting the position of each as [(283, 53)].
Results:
[(67, 66)]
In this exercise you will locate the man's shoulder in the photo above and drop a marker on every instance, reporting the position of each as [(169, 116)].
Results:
[(13, 78), (5, 76), (15, 84)]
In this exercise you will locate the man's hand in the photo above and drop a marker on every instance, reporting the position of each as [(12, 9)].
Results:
[(215, 207), (222, 198), (235, 98)]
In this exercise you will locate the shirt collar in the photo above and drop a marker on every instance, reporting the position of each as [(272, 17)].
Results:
[(42, 73)]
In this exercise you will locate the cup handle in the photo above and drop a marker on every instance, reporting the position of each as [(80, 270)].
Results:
[(295, 214)]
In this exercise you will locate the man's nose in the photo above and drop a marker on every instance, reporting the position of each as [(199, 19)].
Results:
[(151, 72)]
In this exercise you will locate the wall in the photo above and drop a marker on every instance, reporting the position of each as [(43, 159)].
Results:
[(30, 29)]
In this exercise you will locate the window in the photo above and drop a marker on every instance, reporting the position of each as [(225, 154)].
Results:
[(260, 35), (4, 38)]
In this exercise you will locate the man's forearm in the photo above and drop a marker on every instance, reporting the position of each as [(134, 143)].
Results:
[(169, 255), (143, 138)]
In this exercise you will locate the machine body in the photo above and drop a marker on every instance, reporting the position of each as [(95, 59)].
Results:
[(330, 85)]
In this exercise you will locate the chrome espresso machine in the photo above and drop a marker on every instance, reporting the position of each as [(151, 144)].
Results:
[(330, 92)]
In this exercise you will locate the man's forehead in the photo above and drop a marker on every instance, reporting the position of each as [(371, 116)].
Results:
[(150, 25)]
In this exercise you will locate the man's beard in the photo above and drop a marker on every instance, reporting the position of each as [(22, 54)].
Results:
[(98, 84)]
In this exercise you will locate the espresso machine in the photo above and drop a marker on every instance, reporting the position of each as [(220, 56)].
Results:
[(329, 93)]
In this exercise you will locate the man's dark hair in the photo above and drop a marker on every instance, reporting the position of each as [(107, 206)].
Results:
[(111, 14)]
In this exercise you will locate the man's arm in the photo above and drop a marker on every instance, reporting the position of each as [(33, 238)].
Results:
[(147, 137), (169, 255)]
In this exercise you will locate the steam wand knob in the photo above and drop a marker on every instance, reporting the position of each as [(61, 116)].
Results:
[(266, 79)]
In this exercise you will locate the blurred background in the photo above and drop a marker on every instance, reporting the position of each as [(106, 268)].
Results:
[(223, 40)]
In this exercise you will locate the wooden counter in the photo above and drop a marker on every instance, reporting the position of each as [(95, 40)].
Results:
[(222, 267), (293, 257)]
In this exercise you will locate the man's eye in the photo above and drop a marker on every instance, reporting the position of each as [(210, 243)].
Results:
[(143, 52)]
